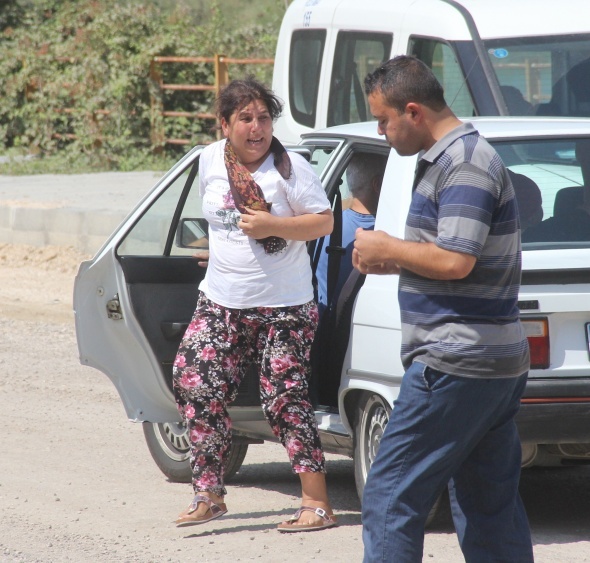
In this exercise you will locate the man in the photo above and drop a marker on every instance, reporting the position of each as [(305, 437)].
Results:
[(463, 347), (363, 176)]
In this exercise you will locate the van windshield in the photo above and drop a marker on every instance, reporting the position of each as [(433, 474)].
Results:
[(543, 75)]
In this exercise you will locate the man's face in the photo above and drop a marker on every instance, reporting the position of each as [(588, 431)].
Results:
[(399, 129)]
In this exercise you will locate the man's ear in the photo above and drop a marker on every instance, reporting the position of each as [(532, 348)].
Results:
[(414, 110), (376, 182)]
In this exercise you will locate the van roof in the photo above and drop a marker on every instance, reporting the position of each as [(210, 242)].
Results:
[(501, 18), (509, 18)]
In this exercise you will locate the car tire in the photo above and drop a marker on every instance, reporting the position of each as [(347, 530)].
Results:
[(169, 447), (372, 418)]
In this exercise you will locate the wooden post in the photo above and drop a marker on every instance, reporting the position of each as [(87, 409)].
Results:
[(221, 79)]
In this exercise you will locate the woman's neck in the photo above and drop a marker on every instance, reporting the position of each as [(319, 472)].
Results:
[(254, 166)]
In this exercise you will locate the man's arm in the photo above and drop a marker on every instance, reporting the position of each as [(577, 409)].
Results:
[(376, 252)]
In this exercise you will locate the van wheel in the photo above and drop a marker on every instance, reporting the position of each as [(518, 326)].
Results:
[(371, 420), (169, 447)]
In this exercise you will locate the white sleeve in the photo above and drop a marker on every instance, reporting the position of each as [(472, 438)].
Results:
[(305, 192)]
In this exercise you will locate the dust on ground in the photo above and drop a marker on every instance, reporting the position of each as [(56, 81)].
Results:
[(77, 483)]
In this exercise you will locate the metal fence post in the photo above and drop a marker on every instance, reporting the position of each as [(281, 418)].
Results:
[(157, 133)]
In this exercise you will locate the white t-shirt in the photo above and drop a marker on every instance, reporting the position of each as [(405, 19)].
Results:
[(240, 274)]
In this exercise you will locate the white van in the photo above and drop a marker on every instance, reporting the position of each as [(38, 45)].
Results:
[(524, 57)]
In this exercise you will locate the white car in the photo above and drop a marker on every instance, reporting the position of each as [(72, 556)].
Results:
[(135, 298)]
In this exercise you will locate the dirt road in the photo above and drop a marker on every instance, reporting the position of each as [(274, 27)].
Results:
[(77, 483)]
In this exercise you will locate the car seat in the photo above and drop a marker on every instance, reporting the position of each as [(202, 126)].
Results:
[(567, 199)]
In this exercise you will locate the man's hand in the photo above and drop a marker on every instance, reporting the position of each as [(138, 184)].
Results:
[(370, 252)]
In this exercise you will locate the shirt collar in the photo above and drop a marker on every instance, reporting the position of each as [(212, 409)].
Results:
[(442, 144)]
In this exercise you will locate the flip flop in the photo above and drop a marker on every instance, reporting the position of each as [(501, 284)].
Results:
[(188, 518), (290, 526)]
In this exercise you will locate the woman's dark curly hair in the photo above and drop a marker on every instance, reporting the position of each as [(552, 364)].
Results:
[(239, 93)]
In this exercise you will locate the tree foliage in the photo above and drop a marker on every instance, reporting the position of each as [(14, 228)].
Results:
[(76, 75)]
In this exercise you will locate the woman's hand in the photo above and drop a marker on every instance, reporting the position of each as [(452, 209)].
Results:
[(203, 257), (262, 224), (257, 224)]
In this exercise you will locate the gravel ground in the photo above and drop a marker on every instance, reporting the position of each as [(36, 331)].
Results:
[(77, 483)]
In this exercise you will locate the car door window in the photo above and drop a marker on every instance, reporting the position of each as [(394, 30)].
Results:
[(320, 156), (165, 218)]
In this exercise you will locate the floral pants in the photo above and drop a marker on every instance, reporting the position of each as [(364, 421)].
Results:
[(216, 349)]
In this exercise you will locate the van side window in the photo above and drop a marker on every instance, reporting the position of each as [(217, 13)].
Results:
[(355, 56), (549, 74), (305, 63), (441, 58)]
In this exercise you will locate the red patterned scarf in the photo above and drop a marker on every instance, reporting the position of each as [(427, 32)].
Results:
[(247, 193)]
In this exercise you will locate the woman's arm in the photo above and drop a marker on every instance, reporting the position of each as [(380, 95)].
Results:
[(261, 224)]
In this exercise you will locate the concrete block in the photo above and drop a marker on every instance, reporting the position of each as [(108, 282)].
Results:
[(27, 218), (64, 220)]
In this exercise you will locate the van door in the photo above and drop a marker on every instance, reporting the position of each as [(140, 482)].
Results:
[(356, 55)]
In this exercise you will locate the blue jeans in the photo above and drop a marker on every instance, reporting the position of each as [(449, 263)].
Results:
[(450, 430)]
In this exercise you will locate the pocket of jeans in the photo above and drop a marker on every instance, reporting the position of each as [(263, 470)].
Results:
[(432, 377)]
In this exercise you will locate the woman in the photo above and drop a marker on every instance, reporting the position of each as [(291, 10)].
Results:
[(255, 304)]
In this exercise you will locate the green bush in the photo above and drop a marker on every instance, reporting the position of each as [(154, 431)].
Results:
[(76, 78)]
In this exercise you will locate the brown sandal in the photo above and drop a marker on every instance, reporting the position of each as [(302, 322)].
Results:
[(187, 518), (290, 526)]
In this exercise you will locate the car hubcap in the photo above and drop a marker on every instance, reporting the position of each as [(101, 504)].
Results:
[(173, 439), (376, 428)]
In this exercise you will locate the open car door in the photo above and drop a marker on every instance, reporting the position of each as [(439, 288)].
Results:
[(134, 300)]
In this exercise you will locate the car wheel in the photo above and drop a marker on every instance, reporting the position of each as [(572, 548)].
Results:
[(169, 447), (371, 420)]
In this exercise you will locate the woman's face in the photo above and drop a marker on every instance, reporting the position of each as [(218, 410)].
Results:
[(250, 132)]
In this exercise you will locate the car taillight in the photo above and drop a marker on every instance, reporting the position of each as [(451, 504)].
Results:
[(537, 332)]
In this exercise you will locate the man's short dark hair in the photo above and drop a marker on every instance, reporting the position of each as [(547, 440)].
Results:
[(406, 79)]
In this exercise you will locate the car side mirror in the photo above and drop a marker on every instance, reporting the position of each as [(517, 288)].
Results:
[(192, 233)]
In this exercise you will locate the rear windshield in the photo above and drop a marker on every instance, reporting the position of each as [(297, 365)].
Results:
[(551, 179), (543, 75)]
